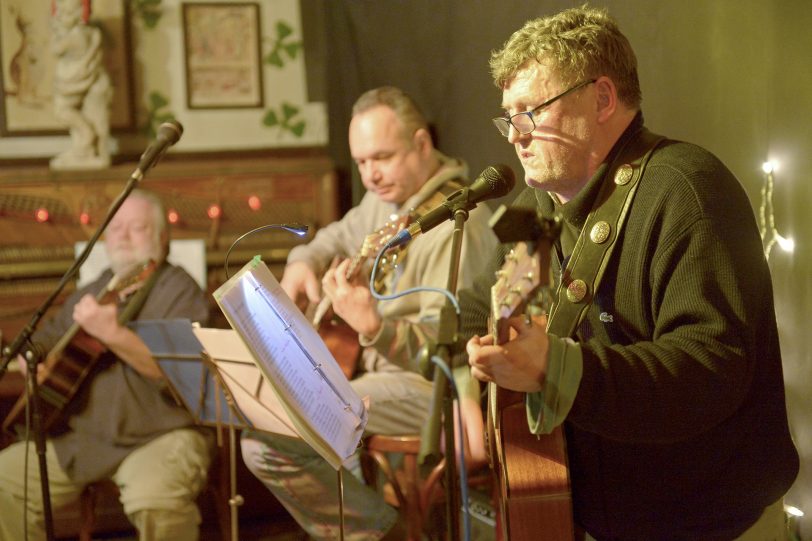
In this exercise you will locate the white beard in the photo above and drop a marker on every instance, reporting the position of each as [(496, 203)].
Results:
[(123, 259)]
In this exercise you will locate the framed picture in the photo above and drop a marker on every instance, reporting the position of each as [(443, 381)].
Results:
[(29, 64), (223, 62)]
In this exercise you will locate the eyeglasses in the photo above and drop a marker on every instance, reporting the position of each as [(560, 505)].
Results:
[(524, 122)]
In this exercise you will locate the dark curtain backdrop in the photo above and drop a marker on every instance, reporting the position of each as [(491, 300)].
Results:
[(437, 52), (731, 75)]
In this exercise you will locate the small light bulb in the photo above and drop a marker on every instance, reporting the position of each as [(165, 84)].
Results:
[(254, 203), (214, 211), (84, 218), (792, 510), (172, 216), (42, 215), (788, 245), (768, 167)]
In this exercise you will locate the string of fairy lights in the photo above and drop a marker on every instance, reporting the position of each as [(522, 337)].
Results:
[(214, 211), (766, 214), (769, 238)]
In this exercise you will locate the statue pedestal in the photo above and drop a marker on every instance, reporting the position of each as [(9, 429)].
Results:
[(69, 161)]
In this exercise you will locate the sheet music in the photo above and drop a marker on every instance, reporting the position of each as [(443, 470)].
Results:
[(322, 405)]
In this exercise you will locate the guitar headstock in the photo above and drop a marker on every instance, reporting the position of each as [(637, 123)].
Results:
[(376, 240), (517, 280)]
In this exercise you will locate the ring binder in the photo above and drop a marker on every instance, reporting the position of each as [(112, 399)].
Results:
[(311, 388)]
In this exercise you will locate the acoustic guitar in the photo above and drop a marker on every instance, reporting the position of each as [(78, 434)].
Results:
[(531, 471), (73, 358), (340, 338)]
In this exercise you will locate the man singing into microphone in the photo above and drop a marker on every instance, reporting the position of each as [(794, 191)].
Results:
[(660, 356), (403, 173)]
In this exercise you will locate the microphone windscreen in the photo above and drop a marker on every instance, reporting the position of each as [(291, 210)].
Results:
[(170, 131), (495, 181)]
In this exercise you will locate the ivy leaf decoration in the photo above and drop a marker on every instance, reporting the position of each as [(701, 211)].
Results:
[(289, 111), (292, 49), (155, 117), (284, 120), (275, 59), (149, 10), (283, 30), (271, 119), (156, 100), (151, 19), (282, 43), (298, 128)]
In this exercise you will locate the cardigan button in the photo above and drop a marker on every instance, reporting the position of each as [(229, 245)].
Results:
[(576, 291), (624, 174), (600, 232)]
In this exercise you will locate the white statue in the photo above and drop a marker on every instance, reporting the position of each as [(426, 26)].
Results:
[(82, 89)]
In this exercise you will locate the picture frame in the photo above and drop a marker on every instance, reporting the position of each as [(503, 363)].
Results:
[(27, 67), (222, 55)]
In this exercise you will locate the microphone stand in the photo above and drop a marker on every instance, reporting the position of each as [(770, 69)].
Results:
[(33, 356), (447, 338)]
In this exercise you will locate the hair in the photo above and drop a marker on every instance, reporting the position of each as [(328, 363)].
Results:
[(579, 44), (404, 107)]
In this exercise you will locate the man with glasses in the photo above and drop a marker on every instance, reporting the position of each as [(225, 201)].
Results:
[(669, 385), (403, 173)]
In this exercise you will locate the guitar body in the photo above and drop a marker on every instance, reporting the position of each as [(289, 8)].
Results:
[(533, 485), (62, 377), (73, 359), (342, 341), (535, 500)]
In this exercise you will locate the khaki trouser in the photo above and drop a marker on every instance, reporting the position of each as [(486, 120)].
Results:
[(307, 485), (159, 483)]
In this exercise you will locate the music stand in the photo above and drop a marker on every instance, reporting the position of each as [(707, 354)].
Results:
[(213, 375), (195, 384)]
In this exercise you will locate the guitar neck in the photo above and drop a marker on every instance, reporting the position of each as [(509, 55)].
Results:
[(355, 266), (523, 273), (324, 305), (321, 310), (134, 277), (372, 242), (496, 323), (70, 334)]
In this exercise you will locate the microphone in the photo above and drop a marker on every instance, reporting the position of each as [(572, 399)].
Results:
[(168, 134), (495, 181)]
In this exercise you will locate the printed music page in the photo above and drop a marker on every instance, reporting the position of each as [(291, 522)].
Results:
[(323, 407)]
